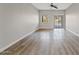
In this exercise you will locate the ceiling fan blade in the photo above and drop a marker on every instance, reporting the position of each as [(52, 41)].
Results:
[(53, 6)]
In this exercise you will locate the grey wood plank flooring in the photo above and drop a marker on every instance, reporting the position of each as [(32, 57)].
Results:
[(46, 42)]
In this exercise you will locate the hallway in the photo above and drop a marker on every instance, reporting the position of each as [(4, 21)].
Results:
[(46, 42)]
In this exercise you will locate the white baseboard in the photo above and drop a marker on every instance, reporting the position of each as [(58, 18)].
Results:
[(45, 28), (73, 32), (4, 48)]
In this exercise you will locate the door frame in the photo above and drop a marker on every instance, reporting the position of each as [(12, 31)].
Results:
[(63, 22)]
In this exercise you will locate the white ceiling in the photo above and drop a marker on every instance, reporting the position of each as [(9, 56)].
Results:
[(46, 6)]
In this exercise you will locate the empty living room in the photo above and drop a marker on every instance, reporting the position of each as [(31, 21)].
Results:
[(39, 29)]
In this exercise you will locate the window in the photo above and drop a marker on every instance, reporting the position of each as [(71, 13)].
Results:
[(44, 19)]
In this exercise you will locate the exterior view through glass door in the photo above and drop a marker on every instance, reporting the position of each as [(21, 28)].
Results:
[(58, 21)]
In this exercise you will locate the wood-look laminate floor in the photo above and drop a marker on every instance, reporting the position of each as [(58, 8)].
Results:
[(46, 42)]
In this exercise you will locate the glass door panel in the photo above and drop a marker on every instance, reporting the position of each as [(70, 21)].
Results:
[(58, 22)]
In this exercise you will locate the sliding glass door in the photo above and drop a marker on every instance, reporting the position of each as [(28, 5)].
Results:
[(58, 21)]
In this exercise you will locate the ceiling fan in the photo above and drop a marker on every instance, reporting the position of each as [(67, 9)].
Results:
[(54, 6)]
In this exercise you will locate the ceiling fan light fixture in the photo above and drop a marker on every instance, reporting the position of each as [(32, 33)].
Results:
[(54, 6)]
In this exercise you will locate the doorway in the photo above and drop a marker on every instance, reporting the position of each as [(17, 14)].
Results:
[(58, 21)]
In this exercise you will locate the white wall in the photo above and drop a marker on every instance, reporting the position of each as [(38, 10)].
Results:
[(72, 18), (16, 20), (50, 15)]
